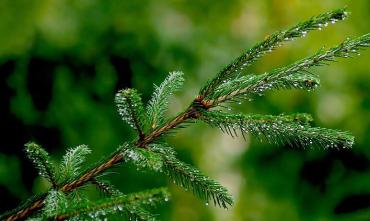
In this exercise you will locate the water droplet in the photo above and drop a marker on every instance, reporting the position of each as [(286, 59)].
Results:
[(207, 203)]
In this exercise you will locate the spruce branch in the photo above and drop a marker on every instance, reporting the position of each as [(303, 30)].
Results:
[(131, 205), (269, 44), (40, 158), (283, 129), (294, 130), (131, 109), (159, 102), (295, 75)]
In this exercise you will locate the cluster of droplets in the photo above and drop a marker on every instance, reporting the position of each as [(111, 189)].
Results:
[(124, 109), (147, 160), (40, 159)]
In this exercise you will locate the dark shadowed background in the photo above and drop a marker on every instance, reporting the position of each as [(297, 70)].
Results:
[(61, 63)]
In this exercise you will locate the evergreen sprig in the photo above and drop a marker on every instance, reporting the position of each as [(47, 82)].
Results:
[(55, 203), (131, 109), (295, 75), (202, 186), (189, 177), (41, 159), (269, 44), (159, 102), (293, 130), (72, 162)]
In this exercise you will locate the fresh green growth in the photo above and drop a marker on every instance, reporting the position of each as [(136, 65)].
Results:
[(149, 151), (72, 162), (159, 102)]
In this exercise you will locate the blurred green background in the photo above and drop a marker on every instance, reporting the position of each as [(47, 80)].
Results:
[(61, 63)]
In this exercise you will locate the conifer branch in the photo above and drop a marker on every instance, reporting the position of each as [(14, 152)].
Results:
[(40, 158), (283, 129), (291, 76), (130, 205), (227, 86), (131, 109), (269, 44)]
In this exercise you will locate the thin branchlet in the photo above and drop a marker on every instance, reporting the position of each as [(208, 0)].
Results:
[(295, 75), (269, 44), (293, 130)]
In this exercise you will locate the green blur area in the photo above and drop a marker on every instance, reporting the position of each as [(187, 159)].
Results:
[(68, 58)]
